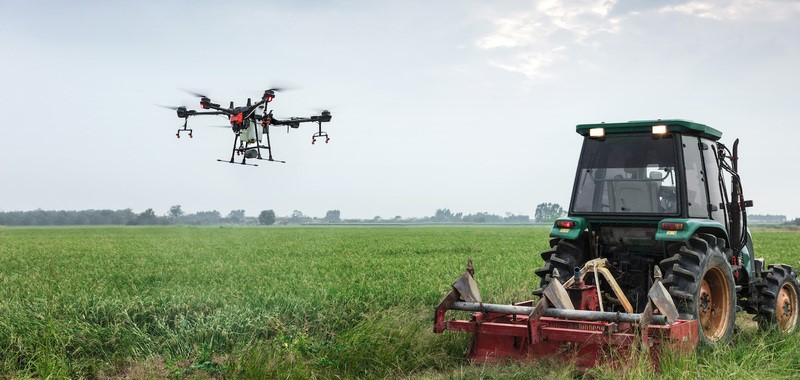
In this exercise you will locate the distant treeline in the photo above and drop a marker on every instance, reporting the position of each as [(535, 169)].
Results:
[(766, 218), (266, 217), (545, 212)]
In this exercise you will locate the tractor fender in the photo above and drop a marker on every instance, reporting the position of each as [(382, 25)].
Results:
[(563, 230), (689, 228)]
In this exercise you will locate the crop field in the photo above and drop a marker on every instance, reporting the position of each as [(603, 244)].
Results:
[(295, 302)]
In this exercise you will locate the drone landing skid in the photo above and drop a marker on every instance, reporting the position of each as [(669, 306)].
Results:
[(320, 135), (178, 135), (271, 160), (235, 163)]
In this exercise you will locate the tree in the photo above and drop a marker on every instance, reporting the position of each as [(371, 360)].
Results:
[(266, 218), (298, 217), (333, 216), (445, 215), (511, 218), (203, 218), (145, 218), (548, 212), (175, 212), (236, 216)]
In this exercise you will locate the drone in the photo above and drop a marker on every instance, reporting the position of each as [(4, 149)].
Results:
[(250, 125)]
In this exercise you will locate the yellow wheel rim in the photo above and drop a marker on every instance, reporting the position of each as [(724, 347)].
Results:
[(714, 304), (786, 308)]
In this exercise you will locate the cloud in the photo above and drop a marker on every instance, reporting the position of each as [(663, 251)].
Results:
[(736, 10), (546, 34), (533, 64), (515, 32), (535, 39)]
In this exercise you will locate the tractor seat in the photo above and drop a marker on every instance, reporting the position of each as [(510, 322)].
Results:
[(635, 195)]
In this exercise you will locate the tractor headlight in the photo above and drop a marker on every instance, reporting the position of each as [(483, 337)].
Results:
[(597, 132), (659, 129)]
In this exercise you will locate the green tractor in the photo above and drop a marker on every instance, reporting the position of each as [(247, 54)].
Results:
[(667, 193), (655, 249)]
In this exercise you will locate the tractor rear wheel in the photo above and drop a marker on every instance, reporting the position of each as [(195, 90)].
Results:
[(563, 255), (779, 307), (700, 281)]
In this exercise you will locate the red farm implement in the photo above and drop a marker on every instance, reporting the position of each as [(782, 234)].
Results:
[(555, 327)]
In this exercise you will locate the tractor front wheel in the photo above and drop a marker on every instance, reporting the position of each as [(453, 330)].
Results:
[(700, 281), (779, 306)]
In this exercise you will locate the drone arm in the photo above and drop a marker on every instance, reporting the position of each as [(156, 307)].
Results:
[(210, 113), (219, 110), (291, 121), (324, 118)]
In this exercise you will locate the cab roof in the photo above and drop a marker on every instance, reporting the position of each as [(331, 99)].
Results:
[(642, 126)]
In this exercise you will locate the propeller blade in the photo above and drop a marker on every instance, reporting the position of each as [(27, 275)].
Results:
[(194, 93), (169, 107), (326, 109), (280, 86)]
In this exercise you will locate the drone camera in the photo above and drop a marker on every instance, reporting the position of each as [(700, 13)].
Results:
[(251, 153)]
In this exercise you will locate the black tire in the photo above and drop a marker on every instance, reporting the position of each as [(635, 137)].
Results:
[(563, 255), (778, 309), (700, 281)]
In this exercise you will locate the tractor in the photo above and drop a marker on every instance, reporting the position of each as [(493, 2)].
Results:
[(654, 253)]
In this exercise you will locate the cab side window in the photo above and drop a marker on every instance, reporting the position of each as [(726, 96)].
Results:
[(717, 206), (695, 178)]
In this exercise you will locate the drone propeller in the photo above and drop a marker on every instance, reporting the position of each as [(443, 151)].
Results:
[(195, 94), (169, 107), (183, 113), (324, 112)]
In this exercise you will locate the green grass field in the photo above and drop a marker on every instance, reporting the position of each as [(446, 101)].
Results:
[(305, 302)]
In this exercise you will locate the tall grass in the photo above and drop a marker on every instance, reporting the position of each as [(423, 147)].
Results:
[(332, 302)]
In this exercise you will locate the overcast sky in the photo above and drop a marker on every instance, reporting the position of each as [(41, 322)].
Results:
[(470, 105)]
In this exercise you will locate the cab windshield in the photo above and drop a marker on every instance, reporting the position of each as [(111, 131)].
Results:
[(625, 174)]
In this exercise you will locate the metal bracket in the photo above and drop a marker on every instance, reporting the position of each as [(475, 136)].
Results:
[(465, 288), (557, 295), (599, 266)]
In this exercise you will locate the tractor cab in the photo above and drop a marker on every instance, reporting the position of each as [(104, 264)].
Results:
[(649, 170)]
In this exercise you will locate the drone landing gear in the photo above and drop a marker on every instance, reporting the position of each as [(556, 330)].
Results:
[(271, 160), (254, 153), (237, 163), (320, 135), (184, 129), (243, 149)]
